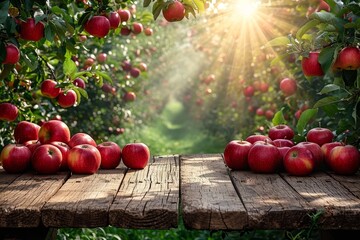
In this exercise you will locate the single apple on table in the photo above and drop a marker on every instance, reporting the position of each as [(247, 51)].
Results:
[(299, 161), (54, 130), (326, 149), (344, 160), (236, 154), (320, 135), (281, 131), (258, 137), (46, 159), (84, 159), (81, 138), (315, 149), (110, 154), (15, 158), (64, 149), (135, 155), (25, 131), (264, 157)]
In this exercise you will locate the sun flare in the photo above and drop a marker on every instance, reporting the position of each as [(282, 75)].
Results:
[(247, 8)]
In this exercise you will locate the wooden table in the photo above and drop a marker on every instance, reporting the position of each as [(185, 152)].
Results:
[(198, 188)]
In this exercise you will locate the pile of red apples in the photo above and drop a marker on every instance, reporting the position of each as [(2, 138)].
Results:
[(277, 152), (50, 148)]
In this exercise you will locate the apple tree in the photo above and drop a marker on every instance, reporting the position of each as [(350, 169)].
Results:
[(326, 47)]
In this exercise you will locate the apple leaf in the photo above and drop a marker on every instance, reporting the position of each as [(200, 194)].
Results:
[(306, 27), (279, 118), (146, 3), (279, 41), (329, 88), (304, 119), (104, 76), (326, 101), (157, 7), (329, 18), (69, 67), (4, 6), (326, 57)]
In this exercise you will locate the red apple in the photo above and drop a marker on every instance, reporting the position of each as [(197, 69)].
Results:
[(8, 112), (125, 31), (258, 137), (269, 114), (175, 11), (320, 135), (348, 59), (81, 138), (110, 155), (137, 28), (323, 6), (79, 83), (249, 91), (264, 87), (114, 19), (326, 149), (84, 159), (124, 15), (129, 96), (143, 67), (64, 149), (67, 99), (315, 149), (126, 66), (311, 66), (25, 131), (281, 131), (299, 161), (46, 159), (283, 143), (15, 158), (344, 160), (288, 86), (135, 72), (89, 62), (31, 31), (101, 57), (50, 89), (264, 158), (12, 55), (32, 145), (97, 26), (135, 155), (236, 154), (54, 130), (260, 112), (148, 31)]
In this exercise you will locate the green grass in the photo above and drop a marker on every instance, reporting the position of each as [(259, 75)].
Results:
[(173, 132)]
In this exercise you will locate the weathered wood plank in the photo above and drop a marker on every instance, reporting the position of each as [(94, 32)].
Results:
[(208, 198), (22, 199), (270, 202), (148, 198), (341, 208), (84, 200)]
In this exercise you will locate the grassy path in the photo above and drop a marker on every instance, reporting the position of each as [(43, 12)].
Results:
[(172, 132)]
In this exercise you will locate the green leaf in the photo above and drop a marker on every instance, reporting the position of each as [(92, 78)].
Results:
[(83, 92), (304, 119), (326, 101), (69, 67), (279, 118), (326, 57), (279, 41), (146, 3), (306, 27), (49, 34), (157, 7), (4, 7), (329, 88), (104, 75), (329, 18)]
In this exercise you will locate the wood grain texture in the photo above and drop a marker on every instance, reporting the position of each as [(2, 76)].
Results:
[(340, 207), (22, 200), (84, 200), (270, 202), (209, 199), (148, 198)]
